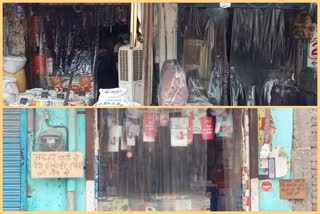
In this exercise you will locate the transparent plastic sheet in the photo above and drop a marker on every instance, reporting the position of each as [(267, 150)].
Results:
[(172, 86), (152, 174), (197, 94), (149, 174), (230, 165)]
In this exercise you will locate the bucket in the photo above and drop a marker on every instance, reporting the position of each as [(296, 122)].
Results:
[(35, 91), (85, 99), (10, 85), (9, 98), (41, 102), (17, 104), (76, 102), (29, 97), (20, 77), (56, 102), (13, 64)]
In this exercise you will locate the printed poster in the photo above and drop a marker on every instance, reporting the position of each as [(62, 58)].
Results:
[(114, 138), (179, 131), (149, 127)]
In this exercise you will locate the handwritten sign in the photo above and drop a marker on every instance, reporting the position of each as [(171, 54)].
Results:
[(293, 189), (56, 165)]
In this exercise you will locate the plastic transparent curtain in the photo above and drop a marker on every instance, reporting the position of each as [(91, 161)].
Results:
[(153, 174), (156, 169)]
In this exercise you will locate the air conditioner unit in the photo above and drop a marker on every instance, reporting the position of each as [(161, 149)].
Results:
[(130, 71), (195, 56)]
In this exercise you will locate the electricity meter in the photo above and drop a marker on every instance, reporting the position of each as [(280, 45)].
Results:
[(51, 140)]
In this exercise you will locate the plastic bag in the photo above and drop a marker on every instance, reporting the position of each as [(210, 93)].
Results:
[(236, 89), (173, 86), (196, 90), (215, 83)]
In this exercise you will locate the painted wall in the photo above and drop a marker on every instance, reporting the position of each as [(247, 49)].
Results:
[(270, 200), (51, 194)]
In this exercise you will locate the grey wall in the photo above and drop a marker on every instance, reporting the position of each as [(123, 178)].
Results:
[(304, 156)]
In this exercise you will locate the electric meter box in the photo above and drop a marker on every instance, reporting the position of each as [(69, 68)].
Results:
[(51, 140)]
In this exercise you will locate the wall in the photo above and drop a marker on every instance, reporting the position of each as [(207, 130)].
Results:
[(304, 156), (53, 194), (269, 200)]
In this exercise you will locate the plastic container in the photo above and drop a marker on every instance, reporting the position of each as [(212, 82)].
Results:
[(10, 85), (76, 102), (13, 64), (9, 98), (41, 102), (35, 91), (20, 77), (30, 98), (56, 102)]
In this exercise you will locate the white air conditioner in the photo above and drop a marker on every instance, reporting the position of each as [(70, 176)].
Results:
[(130, 71), (195, 56)]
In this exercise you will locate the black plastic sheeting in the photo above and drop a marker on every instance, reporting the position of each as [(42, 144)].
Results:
[(262, 56), (70, 35), (263, 53)]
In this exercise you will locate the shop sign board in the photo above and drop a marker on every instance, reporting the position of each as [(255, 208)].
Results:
[(56, 165), (292, 189), (313, 50)]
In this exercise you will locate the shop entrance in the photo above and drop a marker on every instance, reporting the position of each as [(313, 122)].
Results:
[(153, 160), (114, 25), (70, 51)]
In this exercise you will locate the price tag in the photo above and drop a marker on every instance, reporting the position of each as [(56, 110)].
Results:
[(45, 94), (60, 96), (23, 101)]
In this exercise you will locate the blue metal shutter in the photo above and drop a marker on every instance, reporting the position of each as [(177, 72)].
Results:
[(14, 167)]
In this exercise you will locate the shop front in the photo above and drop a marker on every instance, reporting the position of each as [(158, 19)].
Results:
[(160, 54), (153, 160), (37, 173)]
